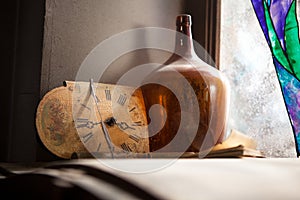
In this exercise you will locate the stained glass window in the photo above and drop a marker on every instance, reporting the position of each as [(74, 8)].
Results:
[(258, 108), (278, 20)]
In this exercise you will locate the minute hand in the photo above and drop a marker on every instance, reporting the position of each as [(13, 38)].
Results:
[(104, 129)]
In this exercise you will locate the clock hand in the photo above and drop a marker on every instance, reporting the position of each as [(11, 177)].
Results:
[(124, 126), (105, 131), (86, 123)]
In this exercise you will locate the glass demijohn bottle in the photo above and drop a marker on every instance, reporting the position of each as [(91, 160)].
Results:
[(192, 99)]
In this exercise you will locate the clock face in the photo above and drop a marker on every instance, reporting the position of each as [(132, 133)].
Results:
[(110, 118), (54, 123), (107, 120)]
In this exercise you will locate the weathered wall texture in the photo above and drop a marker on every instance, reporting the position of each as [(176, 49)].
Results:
[(74, 27)]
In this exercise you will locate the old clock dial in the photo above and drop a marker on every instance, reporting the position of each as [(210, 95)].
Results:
[(54, 123), (99, 119)]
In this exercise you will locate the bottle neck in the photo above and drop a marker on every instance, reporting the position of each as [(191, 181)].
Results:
[(184, 40)]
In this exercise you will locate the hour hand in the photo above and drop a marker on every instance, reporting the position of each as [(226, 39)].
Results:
[(85, 123), (124, 126)]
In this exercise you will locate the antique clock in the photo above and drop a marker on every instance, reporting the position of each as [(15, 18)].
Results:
[(93, 119)]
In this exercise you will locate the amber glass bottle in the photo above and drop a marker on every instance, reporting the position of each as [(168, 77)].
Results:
[(191, 99)]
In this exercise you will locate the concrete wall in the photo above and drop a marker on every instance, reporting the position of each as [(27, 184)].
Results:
[(74, 27)]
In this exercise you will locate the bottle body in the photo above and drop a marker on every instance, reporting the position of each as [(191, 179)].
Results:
[(193, 99)]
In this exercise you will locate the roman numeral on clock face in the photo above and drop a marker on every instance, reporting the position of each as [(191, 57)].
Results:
[(81, 122), (138, 123), (135, 138), (99, 146), (132, 109), (87, 137), (125, 147), (122, 99), (107, 94)]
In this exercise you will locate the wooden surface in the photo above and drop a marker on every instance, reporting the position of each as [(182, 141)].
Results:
[(221, 178), (251, 178)]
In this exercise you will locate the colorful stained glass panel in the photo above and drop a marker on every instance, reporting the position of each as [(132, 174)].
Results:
[(278, 20)]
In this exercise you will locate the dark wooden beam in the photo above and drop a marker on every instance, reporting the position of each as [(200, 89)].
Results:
[(23, 36), (206, 23)]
